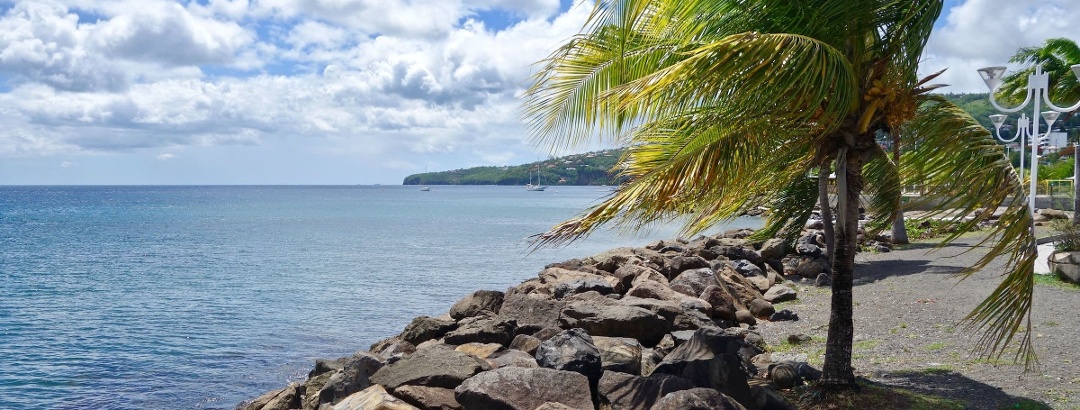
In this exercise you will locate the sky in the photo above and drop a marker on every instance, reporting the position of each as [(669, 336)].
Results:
[(348, 92)]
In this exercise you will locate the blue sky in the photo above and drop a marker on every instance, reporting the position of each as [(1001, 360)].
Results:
[(327, 91)]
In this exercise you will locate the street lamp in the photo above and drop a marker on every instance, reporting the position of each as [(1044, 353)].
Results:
[(1038, 91)]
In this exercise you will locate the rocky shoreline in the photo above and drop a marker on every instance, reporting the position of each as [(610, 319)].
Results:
[(672, 325)]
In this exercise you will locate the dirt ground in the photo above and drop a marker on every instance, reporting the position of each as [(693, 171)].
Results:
[(908, 330)]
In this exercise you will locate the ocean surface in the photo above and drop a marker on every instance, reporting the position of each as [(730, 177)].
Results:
[(194, 297)]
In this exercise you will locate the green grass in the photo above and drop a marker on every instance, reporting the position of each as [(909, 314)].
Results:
[(937, 346), (1055, 282), (865, 344)]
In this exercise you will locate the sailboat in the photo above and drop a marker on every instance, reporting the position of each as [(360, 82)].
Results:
[(539, 182), (425, 187)]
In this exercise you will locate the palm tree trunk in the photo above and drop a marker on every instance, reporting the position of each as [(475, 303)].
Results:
[(1076, 185), (837, 370), (826, 211), (899, 231)]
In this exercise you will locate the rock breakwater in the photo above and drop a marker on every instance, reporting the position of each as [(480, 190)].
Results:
[(667, 326)]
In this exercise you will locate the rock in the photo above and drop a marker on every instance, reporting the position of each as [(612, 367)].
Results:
[(619, 354), (575, 286), (780, 293), (766, 399), (743, 290), (613, 319), (612, 259), (531, 310), (511, 358), (697, 399), (760, 283), (783, 375), (711, 359), (649, 359), (721, 300), (430, 368), (809, 268), (680, 264), (477, 302), (783, 315), (481, 350), (425, 328), (823, 280), (1052, 214), (326, 366), (630, 392), (736, 252), (428, 398), (761, 308), (351, 378), (696, 279), (774, 248), (744, 316), (653, 290), (572, 350), (516, 388), (284, 399), (746, 268), (798, 338), (373, 398), (807, 372), (628, 274), (525, 343), (435, 344), (482, 330), (649, 275), (392, 346), (807, 246)]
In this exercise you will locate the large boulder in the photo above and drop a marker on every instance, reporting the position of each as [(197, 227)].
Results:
[(575, 286), (425, 328), (774, 248), (511, 358), (352, 377), (723, 302), (374, 397), (747, 268), (628, 274), (477, 303), (531, 311), (428, 398), (742, 289), (614, 319), (761, 308), (680, 264), (697, 399), (619, 354), (284, 399), (696, 279), (433, 368), (711, 359), (572, 350), (630, 392), (811, 267), (737, 252), (517, 388), (392, 346), (780, 293), (482, 330)]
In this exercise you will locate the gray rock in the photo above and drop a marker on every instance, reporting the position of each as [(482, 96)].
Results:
[(761, 308), (516, 388), (616, 320), (783, 315), (744, 316), (531, 311), (746, 268), (743, 290), (780, 293), (774, 248), (798, 338), (679, 264), (650, 358), (482, 330), (480, 350), (760, 283), (431, 368), (352, 377), (630, 392), (283, 399), (425, 328), (575, 286), (511, 358), (711, 359), (619, 354), (766, 399), (392, 346), (572, 350), (721, 300), (823, 280), (696, 279), (477, 302), (809, 268), (697, 399), (428, 398)]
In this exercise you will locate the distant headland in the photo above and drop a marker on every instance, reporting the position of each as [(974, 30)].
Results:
[(592, 168)]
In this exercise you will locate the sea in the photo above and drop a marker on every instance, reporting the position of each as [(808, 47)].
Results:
[(201, 297)]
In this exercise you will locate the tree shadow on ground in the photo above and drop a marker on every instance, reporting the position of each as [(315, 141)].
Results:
[(955, 386), (869, 272)]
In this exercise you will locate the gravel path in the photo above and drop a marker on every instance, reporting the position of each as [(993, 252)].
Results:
[(907, 332)]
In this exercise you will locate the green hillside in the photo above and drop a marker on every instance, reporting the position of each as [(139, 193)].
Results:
[(593, 168)]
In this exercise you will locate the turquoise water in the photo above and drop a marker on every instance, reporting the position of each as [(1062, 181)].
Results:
[(201, 297)]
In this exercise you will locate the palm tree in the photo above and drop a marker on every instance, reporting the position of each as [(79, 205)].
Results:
[(726, 105), (1056, 57)]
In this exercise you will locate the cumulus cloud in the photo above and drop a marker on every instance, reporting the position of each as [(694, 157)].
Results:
[(165, 157), (979, 33)]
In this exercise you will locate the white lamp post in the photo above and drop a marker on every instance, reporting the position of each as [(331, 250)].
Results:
[(1038, 91)]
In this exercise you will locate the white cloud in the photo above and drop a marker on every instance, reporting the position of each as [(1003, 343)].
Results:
[(68, 164), (165, 157), (979, 33)]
